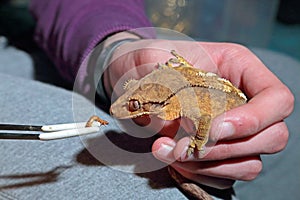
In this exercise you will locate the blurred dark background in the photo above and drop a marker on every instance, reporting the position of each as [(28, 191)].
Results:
[(271, 24)]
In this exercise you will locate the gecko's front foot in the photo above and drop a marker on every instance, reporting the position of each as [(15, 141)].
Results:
[(195, 145)]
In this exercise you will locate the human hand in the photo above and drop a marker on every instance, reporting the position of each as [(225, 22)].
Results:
[(250, 130)]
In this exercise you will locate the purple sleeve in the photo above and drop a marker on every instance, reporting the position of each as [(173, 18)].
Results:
[(69, 29)]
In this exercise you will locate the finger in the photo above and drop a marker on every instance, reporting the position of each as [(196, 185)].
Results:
[(271, 140), (162, 149), (214, 182), (270, 100), (245, 169), (167, 150), (268, 107)]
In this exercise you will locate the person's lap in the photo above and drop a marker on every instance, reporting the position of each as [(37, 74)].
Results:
[(61, 169)]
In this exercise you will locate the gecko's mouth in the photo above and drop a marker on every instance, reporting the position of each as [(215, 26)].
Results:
[(129, 115), (125, 114)]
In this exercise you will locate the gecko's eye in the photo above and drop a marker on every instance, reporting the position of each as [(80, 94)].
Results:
[(134, 105)]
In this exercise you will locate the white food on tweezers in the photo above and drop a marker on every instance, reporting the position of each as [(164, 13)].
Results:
[(68, 133), (60, 127), (59, 131)]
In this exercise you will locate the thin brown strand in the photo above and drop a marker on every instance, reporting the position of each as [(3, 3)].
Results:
[(94, 118)]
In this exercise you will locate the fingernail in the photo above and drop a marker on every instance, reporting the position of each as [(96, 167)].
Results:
[(165, 153), (222, 130)]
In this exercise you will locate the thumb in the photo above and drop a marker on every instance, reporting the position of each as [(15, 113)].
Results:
[(163, 148), (167, 150)]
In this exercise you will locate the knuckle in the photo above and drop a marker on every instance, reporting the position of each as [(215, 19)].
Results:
[(254, 124), (288, 99)]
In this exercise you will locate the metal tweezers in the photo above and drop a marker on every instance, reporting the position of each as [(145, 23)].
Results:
[(47, 132)]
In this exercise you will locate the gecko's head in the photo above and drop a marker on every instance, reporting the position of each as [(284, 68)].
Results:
[(140, 99), (149, 95)]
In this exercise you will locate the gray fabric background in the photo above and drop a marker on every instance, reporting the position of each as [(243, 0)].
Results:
[(64, 169)]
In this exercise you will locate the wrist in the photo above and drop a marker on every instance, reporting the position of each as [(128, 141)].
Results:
[(118, 37), (108, 47)]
